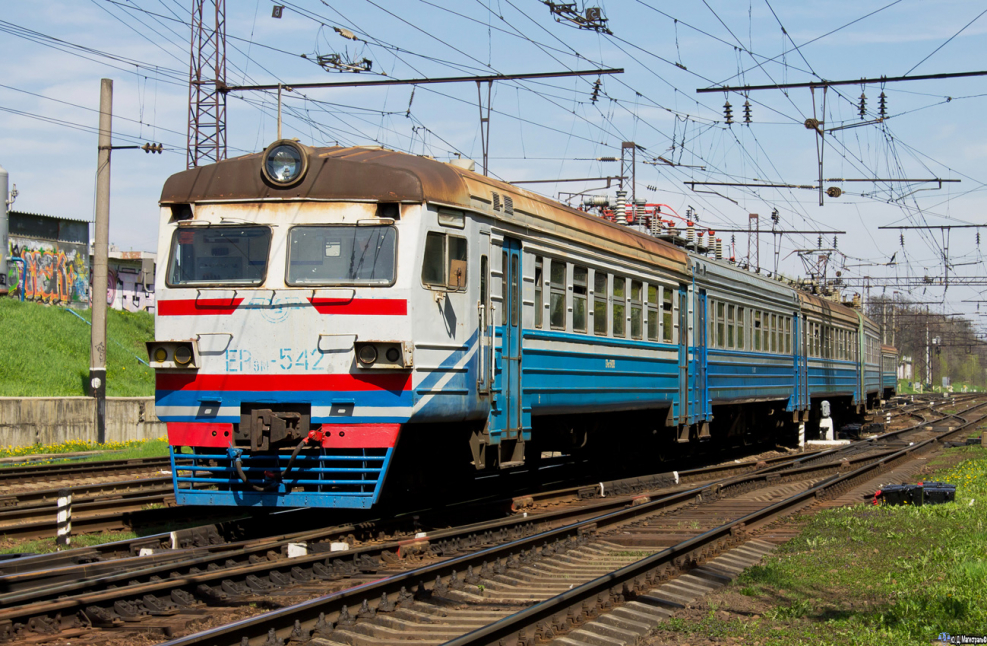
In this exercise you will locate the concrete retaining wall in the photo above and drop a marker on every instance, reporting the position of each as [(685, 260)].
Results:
[(53, 420)]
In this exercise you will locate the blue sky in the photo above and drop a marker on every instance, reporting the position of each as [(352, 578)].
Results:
[(55, 53)]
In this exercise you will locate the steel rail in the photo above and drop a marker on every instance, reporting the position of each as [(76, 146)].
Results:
[(20, 475), (692, 549), (306, 614), (162, 576)]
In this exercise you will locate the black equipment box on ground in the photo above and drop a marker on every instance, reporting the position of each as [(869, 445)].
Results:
[(930, 493), (936, 493)]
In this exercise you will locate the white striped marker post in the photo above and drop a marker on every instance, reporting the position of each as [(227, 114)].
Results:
[(64, 531)]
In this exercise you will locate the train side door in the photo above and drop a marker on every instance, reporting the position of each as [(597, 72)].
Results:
[(804, 363), (684, 390), (701, 409), (511, 337), (800, 398)]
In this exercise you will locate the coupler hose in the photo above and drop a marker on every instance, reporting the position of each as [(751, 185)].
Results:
[(313, 436)]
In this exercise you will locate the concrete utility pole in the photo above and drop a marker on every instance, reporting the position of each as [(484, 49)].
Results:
[(97, 351), (4, 245)]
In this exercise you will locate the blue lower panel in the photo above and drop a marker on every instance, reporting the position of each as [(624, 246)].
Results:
[(337, 478), (736, 374), (831, 377), (600, 374)]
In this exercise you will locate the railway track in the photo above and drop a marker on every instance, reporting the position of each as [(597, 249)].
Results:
[(162, 592), (366, 540), (605, 579), (165, 594), (13, 476)]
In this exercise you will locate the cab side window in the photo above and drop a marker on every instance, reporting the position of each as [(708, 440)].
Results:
[(444, 262)]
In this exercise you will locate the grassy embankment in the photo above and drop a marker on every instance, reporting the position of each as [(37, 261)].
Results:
[(109, 451), (44, 351), (863, 575)]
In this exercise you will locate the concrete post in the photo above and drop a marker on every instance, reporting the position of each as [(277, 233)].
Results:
[(64, 518), (97, 351)]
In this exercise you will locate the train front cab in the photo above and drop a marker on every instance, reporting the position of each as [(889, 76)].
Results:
[(284, 345)]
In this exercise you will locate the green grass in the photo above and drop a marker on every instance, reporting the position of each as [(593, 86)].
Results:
[(47, 545), (110, 451), (44, 351), (869, 575)]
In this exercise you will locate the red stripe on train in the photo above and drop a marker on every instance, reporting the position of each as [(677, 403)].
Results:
[(198, 307), (334, 436), (360, 436), (269, 383), (199, 434), (358, 306)]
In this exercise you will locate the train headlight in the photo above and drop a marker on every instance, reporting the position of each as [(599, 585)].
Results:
[(367, 354), (183, 355), (284, 163), (160, 355), (393, 354)]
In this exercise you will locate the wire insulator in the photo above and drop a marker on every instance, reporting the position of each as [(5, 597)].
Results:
[(747, 112), (728, 112), (863, 105), (882, 106)]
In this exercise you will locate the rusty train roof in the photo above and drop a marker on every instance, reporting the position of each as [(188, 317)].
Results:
[(380, 175), (829, 310)]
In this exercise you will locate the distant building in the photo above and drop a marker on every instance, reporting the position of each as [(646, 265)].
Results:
[(130, 280), (50, 261), (905, 368)]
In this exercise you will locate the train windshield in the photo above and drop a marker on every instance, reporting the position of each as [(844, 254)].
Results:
[(219, 256), (341, 255)]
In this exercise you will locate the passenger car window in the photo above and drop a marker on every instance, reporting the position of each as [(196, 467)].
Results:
[(600, 303), (556, 310), (652, 312), (741, 321), (580, 276), (636, 309), (720, 316), (756, 330), (731, 313), (667, 330), (619, 306)]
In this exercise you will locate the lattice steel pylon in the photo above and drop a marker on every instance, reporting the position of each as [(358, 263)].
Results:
[(207, 84)]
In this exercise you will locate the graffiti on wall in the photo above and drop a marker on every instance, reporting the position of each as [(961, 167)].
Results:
[(48, 272), (125, 291)]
